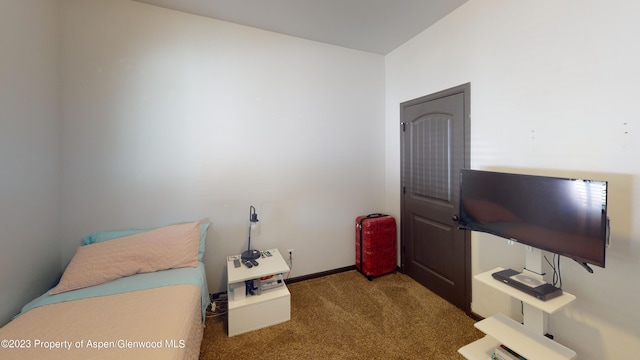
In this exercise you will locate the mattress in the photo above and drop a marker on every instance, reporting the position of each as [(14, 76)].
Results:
[(146, 316)]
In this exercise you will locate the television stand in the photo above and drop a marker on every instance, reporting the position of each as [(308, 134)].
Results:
[(526, 339), (532, 286)]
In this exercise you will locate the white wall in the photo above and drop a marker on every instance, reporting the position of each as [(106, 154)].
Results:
[(553, 91), (169, 117), (29, 231)]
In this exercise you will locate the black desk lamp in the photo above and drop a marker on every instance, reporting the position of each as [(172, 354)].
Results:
[(253, 220)]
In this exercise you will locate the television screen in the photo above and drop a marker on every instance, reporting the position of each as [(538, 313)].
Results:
[(560, 215)]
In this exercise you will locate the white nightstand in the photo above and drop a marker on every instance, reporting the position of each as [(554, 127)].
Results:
[(258, 311)]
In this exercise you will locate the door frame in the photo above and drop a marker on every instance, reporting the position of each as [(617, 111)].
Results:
[(465, 90)]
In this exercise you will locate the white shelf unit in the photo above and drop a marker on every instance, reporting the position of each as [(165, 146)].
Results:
[(258, 311), (548, 306), (526, 341)]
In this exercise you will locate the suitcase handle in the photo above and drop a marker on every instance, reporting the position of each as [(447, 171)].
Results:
[(375, 215), (370, 216)]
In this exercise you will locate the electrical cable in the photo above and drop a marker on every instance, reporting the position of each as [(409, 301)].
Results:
[(555, 266), (219, 307), (290, 265), (559, 274)]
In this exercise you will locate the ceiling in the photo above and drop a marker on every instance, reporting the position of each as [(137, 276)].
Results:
[(376, 26)]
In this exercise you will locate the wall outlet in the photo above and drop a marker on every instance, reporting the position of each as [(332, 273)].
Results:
[(290, 252)]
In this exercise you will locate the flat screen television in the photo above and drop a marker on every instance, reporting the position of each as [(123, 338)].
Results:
[(560, 215)]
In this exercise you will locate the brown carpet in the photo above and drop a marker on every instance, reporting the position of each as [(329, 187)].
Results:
[(345, 316)]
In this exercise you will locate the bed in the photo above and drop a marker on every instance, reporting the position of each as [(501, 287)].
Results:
[(151, 306)]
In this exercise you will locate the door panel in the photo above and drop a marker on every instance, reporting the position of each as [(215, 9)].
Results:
[(430, 158), (428, 256), (434, 149)]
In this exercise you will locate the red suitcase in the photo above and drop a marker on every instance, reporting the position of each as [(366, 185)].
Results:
[(375, 245)]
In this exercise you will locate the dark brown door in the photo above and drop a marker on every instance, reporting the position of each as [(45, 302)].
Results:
[(435, 146)]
